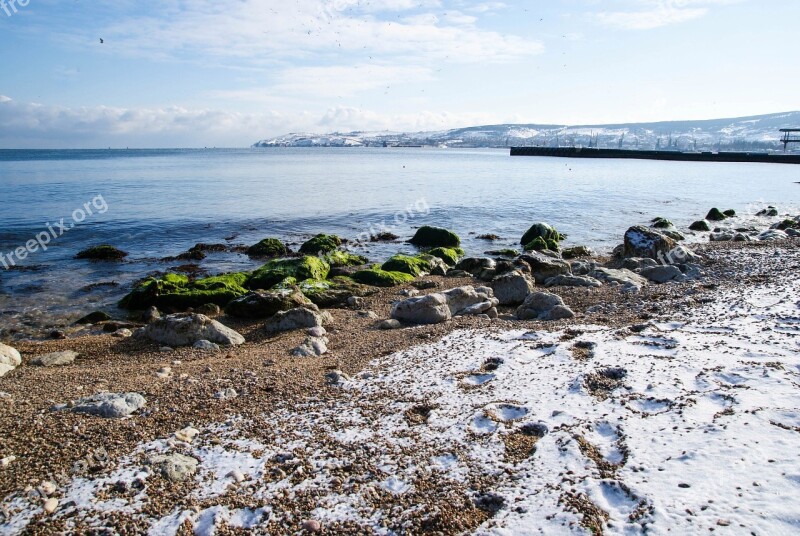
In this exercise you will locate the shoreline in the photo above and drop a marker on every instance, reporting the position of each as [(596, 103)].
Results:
[(282, 390)]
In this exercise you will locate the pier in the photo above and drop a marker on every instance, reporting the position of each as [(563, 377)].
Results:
[(583, 152)]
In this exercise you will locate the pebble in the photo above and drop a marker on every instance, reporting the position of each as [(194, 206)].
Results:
[(410, 293), (164, 373), (166, 349), (237, 475), (390, 324), (226, 394), (337, 377), (47, 488), (316, 332), (8, 460), (312, 525), (123, 333), (368, 314), (206, 346), (187, 435), (50, 505), (355, 301)]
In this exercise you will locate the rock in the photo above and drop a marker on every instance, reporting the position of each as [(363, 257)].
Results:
[(673, 234), (544, 267), (298, 318), (621, 276), (110, 405), (576, 252), (151, 315), (102, 253), (773, 234), (55, 359), (406, 264), (476, 265), (8, 460), (50, 505), (94, 318), (321, 243), (662, 274), (512, 288), (381, 278), (700, 225), (58, 335), (206, 346), (47, 488), (450, 256), (630, 288), (164, 373), (390, 324), (300, 269), (336, 377), (769, 212), (269, 247), (715, 215), (226, 394), (637, 263), (312, 525), (174, 467), (209, 309), (318, 331), (9, 359), (166, 349), (794, 233), (187, 435), (409, 292), (123, 333), (540, 230), (543, 306), (458, 273), (355, 302), (730, 213), (440, 307), (188, 328), (312, 347), (572, 281), (266, 303), (582, 267), (369, 315), (236, 475), (434, 237), (661, 223), (641, 241)]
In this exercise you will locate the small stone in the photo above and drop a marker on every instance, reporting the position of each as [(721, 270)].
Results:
[(226, 394), (8, 460), (318, 331), (110, 405), (337, 377), (58, 335), (47, 488), (164, 373), (236, 475), (312, 525), (55, 359), (206, 346), (50, 505), (409, 293), (151, 315), (174, 467), (369, 315), (355, 302), (390, 324), (187, 435), (123, 333), (166, 349)]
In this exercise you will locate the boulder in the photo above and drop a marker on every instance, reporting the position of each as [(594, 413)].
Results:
[(543, 306), (206, 346), (621, 276), (110, 405), (390, 324), (637, 263), (573, 281), (9, 359), (512, 288), (297, 318), (94, 318), (266, 303), (662, 274), (102, 253), (673, 234), (722, 236), (321, 243), (435, 237), (187, 328), (55, 359), (442, 306), (773, 234), (576, 252), (269, 247), (715, 214), (273, 272), (700, 225), (541, 230), (642, 241), (476, 265), (544, 267), (407, 264), (312, 347), (174, 467), (376, 277), (741, 237), (769, 212), (582, 267), (450, 256)]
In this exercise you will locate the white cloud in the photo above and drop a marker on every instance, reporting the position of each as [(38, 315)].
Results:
[(3, 98), (657, 13)]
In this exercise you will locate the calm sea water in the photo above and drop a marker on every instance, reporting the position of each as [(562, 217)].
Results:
[(162, 202)]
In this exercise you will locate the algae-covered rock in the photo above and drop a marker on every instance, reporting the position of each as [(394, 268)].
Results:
[(787, 224), (700, 225), (770, 211), (543, 231), (102, 253), (730, 213), (276, 271), (715, 215), (503, 252), (576, 252), (339, 258), (321, 243), (334, 292), (269, 247), (449, 255), (661, 223), (541, 244), (376, 277), (176, 292), (265, 303), (435, 237), (642, 241), (407, 264)]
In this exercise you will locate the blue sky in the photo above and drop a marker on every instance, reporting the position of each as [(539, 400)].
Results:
[(226, 73)]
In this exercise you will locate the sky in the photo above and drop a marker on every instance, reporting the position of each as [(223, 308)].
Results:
[(198, 73)]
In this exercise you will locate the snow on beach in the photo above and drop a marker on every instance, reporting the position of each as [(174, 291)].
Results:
[(684, 425)]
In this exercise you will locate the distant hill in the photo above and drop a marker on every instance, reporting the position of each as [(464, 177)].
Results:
[(760, 132)]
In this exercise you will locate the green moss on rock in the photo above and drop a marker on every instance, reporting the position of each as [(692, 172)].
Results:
[(542, 244), (541, 230), (381, 278), (276, 271), (176, 292), (269, 247), (730, 213), (449, 255), (341, 258), (406, 264), (661, 223), (435, 237), (700, 225), (715, 215), (788, 224), (321, 243), (102, 253)]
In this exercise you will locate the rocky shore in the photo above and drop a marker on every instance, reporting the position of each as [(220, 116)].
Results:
[(540, 390)]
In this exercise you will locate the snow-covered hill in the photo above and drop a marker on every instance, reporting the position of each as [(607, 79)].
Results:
[(744, 133)]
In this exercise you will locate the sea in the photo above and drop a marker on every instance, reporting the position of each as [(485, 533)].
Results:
[(155, 204)]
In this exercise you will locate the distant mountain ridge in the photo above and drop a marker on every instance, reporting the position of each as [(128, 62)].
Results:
[(760, 132)]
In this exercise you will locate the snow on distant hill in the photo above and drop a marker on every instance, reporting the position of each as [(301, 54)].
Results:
[(744, 133)]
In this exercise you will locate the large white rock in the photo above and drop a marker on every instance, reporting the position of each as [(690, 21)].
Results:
[(9, 359), (174, 467), (110, 405), (297, 318), (55, 359), (621, 276), (543, 306), (442, 306), (187, 328)]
